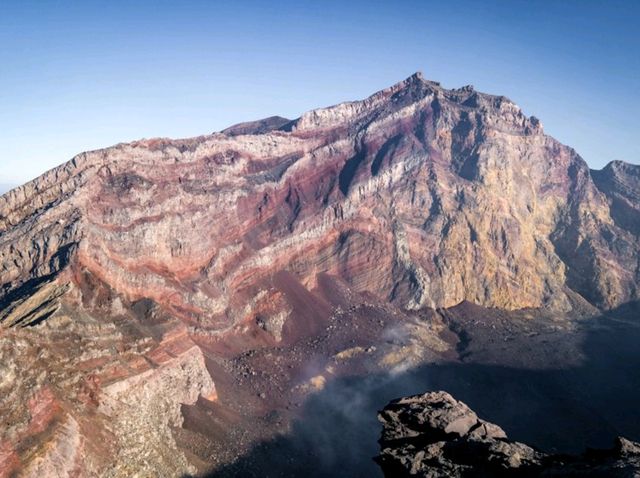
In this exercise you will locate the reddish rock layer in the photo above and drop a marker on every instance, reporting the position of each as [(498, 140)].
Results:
[(130, 261), (418, 194)]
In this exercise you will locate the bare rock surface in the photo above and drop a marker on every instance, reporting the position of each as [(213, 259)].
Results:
[(434, 435), (420, 195), (165, 303)]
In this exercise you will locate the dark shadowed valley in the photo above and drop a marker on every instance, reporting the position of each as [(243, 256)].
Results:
[(561, 390)]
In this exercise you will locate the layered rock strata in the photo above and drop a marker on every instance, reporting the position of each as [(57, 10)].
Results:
[(129, 273), (420, 195)]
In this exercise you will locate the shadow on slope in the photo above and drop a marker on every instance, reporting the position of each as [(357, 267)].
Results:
[(555, 409)]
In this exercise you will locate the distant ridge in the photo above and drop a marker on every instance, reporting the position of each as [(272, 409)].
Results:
[(257, 127)]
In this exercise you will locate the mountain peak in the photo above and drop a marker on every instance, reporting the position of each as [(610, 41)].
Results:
[(417, 78), (415, 88), (125, 261), (418, 93), (351, 153), (418, 75)]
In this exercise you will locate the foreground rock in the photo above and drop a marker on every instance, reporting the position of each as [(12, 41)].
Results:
[(434, 435)]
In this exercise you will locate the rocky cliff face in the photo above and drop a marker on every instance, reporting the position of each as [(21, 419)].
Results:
[(83, 396), (434, 435), (418, 194), (119, 267)]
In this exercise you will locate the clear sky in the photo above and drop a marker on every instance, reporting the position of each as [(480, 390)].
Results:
[(83, 75)]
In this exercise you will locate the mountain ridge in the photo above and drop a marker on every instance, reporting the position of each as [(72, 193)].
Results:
[(413, 97), (228, 264)]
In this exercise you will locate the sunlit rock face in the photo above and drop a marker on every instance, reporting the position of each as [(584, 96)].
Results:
[(128, 260), (421, 195)]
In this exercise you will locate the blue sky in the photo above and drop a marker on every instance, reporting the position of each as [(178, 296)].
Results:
[(76, 76)]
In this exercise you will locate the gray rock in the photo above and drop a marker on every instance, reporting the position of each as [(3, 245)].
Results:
[(434, 435)]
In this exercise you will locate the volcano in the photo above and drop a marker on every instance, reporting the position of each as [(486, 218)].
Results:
[(166, 306)]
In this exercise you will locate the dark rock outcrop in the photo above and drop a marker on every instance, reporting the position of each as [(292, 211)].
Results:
[(436, 436), (262, 126)]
